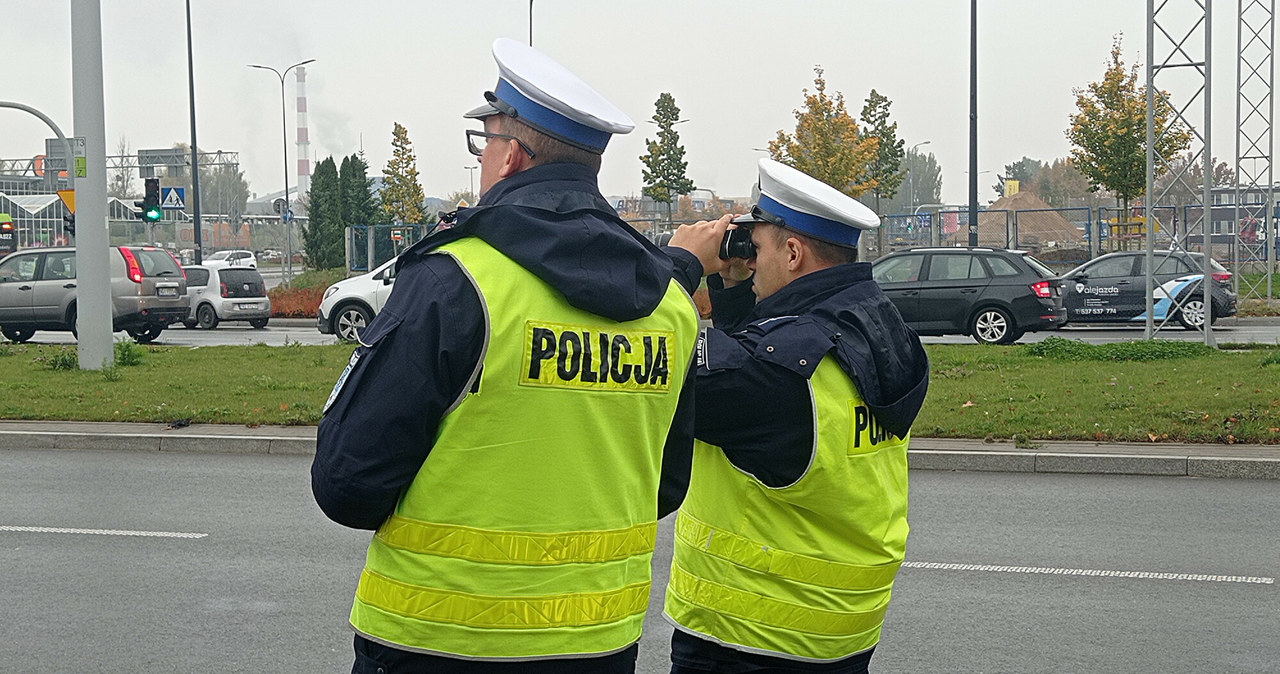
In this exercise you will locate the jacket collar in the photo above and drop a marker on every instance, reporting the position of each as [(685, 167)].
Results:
[(803, 294), (567, 175)]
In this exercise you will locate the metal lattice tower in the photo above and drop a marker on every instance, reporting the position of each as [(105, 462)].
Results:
[(1254, 250), (1179, 47)]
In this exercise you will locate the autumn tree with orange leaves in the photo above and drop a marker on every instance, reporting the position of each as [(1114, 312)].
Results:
[(827, 143)]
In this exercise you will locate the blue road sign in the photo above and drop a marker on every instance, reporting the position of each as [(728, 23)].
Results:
[(172, 198)]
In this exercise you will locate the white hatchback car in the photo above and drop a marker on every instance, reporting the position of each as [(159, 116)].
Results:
[(350, 304), (226, 294), (231, 258)]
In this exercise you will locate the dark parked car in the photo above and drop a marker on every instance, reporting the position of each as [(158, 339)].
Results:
[(992, 294), (1113, 289)]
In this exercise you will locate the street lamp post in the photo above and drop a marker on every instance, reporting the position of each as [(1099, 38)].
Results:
[(471, 171), (287, 216)]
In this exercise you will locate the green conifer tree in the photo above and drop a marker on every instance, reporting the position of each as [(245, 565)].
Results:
[(402, 195), (664, 164), (323, 235)]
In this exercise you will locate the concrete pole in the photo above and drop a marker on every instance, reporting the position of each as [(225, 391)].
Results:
[(93, 270)]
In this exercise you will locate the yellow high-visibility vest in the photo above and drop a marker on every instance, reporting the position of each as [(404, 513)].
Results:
[(529, 529), (804, 571)]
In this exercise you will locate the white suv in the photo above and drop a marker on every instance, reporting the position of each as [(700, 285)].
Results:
[(350, 304), (231, 258)]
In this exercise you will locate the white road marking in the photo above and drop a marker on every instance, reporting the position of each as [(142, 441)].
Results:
[(1106, 573), (102, 532)]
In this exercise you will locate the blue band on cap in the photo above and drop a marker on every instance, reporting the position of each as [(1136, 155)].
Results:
[(550, 121), (820, 228)]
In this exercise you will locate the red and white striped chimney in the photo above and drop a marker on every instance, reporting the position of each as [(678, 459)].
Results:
[(304, 142)]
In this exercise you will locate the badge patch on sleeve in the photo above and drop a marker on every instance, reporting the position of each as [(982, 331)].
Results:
[(342, 379), (588, 358)]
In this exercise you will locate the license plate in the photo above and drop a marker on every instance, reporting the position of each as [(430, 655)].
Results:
[(167, 292), (246, 307)]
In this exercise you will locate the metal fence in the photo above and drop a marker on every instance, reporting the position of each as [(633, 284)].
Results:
[(368, 246)]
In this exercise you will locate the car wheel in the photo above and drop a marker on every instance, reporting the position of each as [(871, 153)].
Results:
[(993, 325), (258, 323), (145, 334), (348, 320), (1191, 314), (190, 324), (18, 335), (71, 321), (206, 317)]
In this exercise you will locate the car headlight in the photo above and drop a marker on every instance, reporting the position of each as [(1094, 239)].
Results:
[(329, 291)]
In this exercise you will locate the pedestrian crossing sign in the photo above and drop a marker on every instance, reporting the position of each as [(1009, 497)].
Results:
[(171, 199)]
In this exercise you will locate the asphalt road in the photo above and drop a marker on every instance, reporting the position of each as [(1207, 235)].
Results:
[(239, 571), (280, 332), (1238, 330), (277, 333)]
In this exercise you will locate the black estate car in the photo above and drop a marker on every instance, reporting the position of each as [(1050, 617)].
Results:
[(992, 294)]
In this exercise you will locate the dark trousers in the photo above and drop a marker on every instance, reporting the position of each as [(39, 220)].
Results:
[(693, 655), (374, 658)]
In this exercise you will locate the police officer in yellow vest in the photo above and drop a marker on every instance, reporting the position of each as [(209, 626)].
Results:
[(796, 517), (502, 424)]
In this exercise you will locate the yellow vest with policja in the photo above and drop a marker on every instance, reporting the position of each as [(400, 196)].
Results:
[(804, 571), (528, 531)]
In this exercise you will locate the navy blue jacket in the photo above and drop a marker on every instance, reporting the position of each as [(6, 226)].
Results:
[(417, 356)]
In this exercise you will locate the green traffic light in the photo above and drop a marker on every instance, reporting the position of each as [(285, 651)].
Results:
[(151, 214)]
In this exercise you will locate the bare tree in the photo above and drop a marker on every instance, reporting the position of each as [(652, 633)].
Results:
[(120, 185)]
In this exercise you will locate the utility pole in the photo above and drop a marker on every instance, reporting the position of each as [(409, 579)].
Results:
[(973, 122), (93, 278), (195, 162)]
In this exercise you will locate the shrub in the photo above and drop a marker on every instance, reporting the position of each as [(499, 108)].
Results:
[(127, 353), (321, 278), (1057, 348), (62, 359), (295, 302)]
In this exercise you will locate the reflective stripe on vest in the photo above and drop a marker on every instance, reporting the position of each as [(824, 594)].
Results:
[(759, 556), (517, 547), (768, 611), (495, 612), (805, 571), (528, 531)]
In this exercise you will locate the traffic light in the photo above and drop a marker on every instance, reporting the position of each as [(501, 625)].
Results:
[(151, 201), (70, 227)]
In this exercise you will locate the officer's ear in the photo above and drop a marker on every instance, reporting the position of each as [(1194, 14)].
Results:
[(514, 160), (797, 254)]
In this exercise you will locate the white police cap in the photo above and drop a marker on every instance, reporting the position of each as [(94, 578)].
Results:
[(535, 89), (800, 202)]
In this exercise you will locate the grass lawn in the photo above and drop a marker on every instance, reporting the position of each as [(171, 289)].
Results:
[(1135, 391), (223, 384), (1157, 391)]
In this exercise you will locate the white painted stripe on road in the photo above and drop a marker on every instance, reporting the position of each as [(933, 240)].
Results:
[(1105, 573), (102, 532)]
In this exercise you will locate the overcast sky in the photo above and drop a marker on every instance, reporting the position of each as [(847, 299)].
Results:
[(735, 67)]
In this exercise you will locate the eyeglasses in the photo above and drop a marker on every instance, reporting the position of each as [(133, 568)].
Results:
[(476, 147)]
